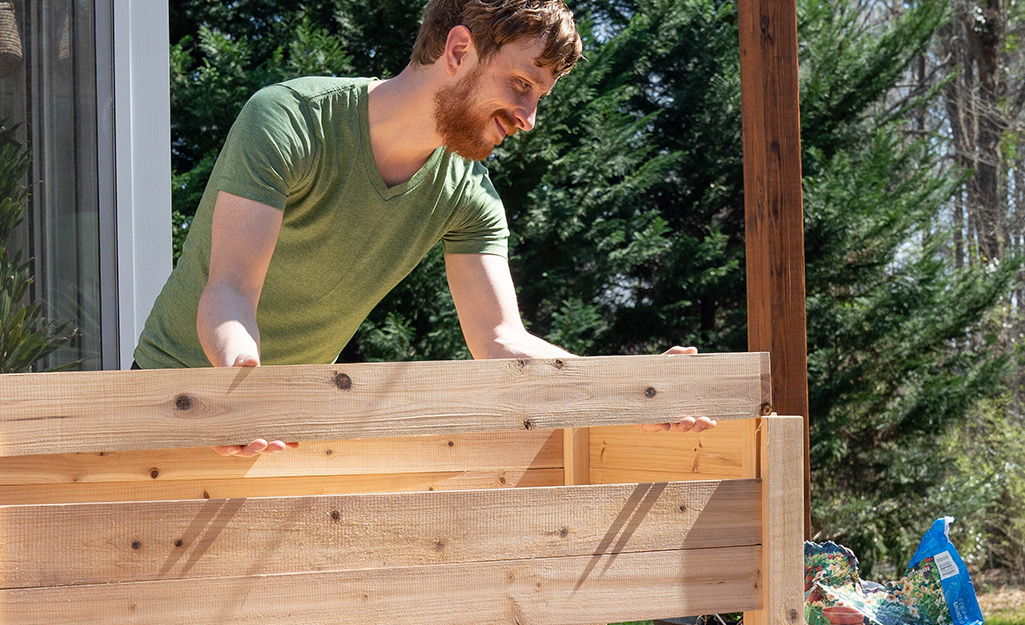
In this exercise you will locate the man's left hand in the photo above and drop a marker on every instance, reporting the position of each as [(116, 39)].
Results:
[(686, 424)]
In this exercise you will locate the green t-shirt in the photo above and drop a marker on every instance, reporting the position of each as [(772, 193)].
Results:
[(346, 239)]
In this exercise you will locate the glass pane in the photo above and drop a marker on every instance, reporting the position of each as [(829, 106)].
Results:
[(48, 84)]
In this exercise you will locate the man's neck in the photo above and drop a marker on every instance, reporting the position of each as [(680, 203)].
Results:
[(402, 134)]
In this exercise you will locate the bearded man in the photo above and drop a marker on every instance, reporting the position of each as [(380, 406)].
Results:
[(329, 191)]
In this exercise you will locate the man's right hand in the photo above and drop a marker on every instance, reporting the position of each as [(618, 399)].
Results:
[(260, 445)]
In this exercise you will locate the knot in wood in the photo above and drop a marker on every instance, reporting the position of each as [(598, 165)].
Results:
[(136, 544), (559, 364), (336, 516), (766, 409), (178, 543), (683, 508), (528, 425), (650, 392), (343, 382), (153, 473), (183, 402), (563, 532), (792, 615), (439, 546)]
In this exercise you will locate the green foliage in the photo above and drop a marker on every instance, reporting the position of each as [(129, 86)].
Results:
[(990, 453), (25, 334), (847, 65), (220, 57), (901, 347), (625, 200)]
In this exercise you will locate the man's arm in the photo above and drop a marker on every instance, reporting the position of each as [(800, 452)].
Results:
[(243, 236), (485, 299), (242, 241)]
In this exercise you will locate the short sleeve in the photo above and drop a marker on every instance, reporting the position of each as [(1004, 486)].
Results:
[(269, 149), (482, 227)]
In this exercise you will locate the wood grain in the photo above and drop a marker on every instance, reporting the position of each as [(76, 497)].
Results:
[(492, 451), (774, 216), (576, 456), (725, 451), (782, 565), (46, 413), (161, 490), (542, 591), (52, 545)]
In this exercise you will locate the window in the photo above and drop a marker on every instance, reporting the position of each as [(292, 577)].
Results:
[(98, 221)]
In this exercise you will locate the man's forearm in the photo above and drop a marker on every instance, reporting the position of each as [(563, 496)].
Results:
[(226, 324)]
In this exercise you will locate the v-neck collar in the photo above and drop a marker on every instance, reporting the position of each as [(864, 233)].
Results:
[(370, 164)]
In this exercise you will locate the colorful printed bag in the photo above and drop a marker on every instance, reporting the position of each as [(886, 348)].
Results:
[(935, 589)]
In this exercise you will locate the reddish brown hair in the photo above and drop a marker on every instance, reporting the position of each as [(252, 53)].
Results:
[(494, 23)]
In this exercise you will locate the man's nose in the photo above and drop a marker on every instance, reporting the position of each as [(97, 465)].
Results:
[(526, 114)]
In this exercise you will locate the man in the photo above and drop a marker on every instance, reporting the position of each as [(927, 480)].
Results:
[(329, 191)]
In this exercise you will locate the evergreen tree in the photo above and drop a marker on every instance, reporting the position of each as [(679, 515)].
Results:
[(890, 315)]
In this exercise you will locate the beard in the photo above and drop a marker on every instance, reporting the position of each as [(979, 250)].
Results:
[(463, 123)]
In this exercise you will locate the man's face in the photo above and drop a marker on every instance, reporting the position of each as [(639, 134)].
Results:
[(493, 100)]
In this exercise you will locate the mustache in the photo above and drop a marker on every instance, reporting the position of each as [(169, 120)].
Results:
[(508, 122)]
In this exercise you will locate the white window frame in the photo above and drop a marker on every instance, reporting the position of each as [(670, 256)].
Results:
[(139, 254)]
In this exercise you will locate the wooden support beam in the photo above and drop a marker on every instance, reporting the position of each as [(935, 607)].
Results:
[(576, 455), (46, 413), (773, 204), (781, 572)]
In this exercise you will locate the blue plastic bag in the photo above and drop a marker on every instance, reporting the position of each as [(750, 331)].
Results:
[(957, 586)]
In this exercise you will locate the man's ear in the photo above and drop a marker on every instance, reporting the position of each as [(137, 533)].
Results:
[(458, 49)]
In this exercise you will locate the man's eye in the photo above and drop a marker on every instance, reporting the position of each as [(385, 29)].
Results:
[(524, 85)]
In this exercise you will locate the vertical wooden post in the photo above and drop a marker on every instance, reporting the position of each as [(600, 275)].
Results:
[(773, 205), (782, 569), (576, 456)]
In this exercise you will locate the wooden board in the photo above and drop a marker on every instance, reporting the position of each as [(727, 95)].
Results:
[(223, 537), (276, 486), (782, 445), (48, 413), (543, 591), (627, 454), (576, 456), (488, 452)]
